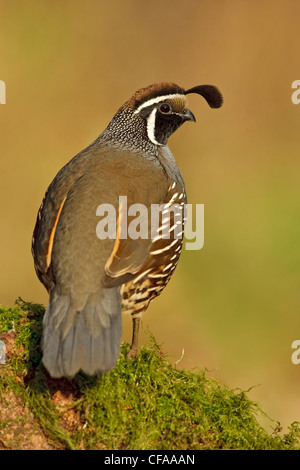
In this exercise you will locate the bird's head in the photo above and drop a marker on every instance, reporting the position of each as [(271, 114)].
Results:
[(153, 113), (164, 107)]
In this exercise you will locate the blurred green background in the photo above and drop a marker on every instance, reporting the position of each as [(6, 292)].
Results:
[(68, 65)]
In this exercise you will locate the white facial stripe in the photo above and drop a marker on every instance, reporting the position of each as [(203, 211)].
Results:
[(158, 99), (151, 127)]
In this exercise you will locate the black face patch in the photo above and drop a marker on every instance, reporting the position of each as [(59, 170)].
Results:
[(165, 125), (163, 114)]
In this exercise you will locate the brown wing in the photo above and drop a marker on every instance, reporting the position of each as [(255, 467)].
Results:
[(136, 259), (127, 257), (153, 270), (148, 185), (42, 239), (48, 217)]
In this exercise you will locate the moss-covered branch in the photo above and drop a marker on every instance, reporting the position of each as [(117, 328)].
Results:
[(143, 404)]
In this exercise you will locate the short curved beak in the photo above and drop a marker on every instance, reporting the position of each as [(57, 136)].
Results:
[(187, 115)]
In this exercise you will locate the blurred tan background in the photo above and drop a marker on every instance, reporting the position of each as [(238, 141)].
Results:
[(68, 65)]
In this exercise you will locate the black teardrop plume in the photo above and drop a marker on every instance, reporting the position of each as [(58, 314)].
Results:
[(210, 93)]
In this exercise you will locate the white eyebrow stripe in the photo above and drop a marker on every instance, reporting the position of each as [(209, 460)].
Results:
[(158, 99)]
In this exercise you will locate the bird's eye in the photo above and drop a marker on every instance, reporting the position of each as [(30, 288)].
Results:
[(165, 108)]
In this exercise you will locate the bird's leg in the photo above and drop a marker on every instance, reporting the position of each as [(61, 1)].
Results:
[(133, 352)]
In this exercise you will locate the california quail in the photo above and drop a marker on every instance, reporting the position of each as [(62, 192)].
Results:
[(91, 280)]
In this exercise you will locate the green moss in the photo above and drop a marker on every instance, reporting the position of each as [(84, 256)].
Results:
[(142, 404)]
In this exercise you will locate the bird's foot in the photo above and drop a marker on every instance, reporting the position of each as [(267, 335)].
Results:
[(132, 354)]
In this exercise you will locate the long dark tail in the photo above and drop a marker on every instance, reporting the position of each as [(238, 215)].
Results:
[(87, 339)]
